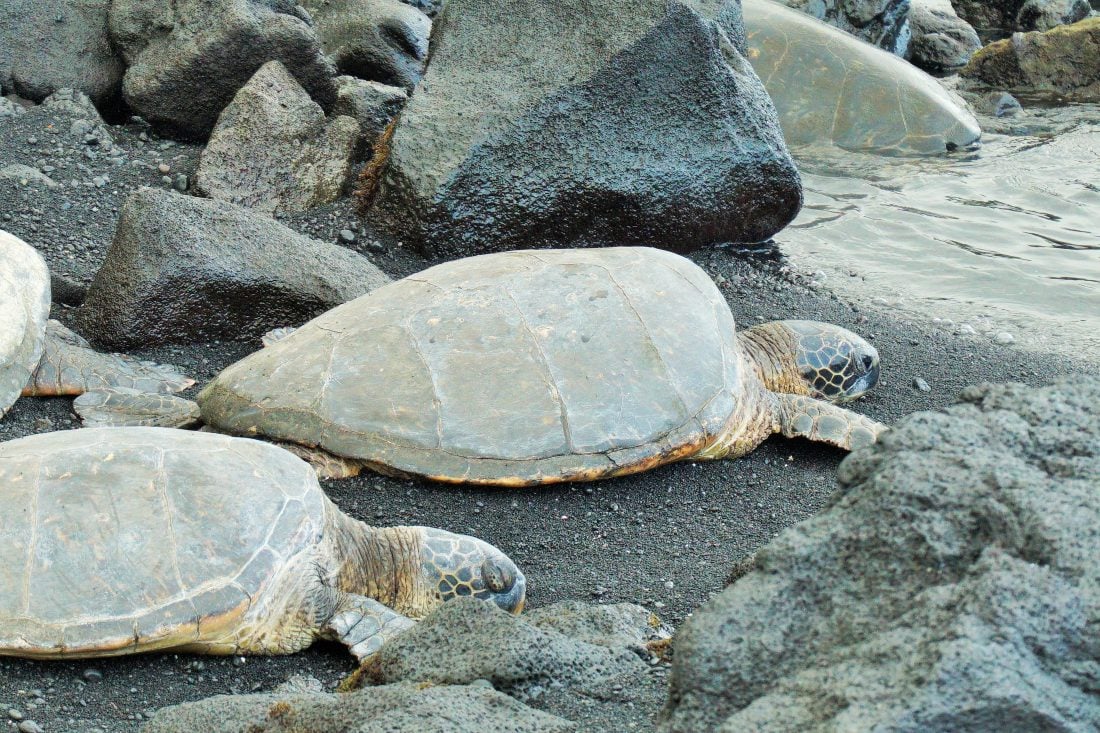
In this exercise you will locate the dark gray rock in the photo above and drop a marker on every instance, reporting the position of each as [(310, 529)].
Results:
[(402, 707), (273, 150), (883, 23), (942, 42), (1063, 62), (1001, 18), (372, 104), (183, 269), (380, 40), (527, 653), (9, 108), (951, 584), (189, 57), (600, 124), (46, 45)]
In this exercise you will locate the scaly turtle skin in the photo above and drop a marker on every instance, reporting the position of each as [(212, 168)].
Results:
[(539, 366), (24, 308), (124, 540), (829, 86)]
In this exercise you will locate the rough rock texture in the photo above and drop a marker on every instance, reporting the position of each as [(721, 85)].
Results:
[(401, 707), (1064, 61), (46, 45), (189, 57), (527, 653), (585, 124), (24, 308), (8, 108), (883, 23), (1000, 18), (273, 150), (942, 42), (183, 269), (951, 584), (380, 40), (372, 104)]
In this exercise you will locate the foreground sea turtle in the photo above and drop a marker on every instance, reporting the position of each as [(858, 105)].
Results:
[(43, 358), (829, 86), (123, 540), (538, 366)]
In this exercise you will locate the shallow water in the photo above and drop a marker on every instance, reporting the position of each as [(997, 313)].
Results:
[(1005, 238)]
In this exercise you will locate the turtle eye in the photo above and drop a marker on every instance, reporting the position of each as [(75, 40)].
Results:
[(868, 361), (499, 579)]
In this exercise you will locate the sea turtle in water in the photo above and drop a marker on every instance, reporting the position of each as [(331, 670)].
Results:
[(539, 366), (829, 86), (41, 357), (124, 540)]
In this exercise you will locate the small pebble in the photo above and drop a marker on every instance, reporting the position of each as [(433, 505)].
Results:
[(965, 329), (181, 183), (1003, 338), (922, 385), (166, 180), (99, 181), (29, 726), (347, 235), (15, 714), (92, 675), (164, 168)]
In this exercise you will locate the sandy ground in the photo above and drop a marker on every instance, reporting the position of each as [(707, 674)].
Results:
[(666, 539)]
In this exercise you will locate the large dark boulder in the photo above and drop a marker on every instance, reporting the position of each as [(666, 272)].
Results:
[(586, 124), (47, 45), (882, 23), (951, 585), (379, 40), (183, 269), (1001, 18), (942, 42), (187, 58)]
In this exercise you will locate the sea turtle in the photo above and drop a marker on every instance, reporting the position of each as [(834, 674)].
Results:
[(538, 366), (41, 357), (124, 540), (829, 86)]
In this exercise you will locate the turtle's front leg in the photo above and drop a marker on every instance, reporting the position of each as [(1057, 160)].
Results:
[(805, 417), (364, 624)]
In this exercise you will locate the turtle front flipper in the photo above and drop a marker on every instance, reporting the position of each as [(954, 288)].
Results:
[(70, 366), (805, 417), (123, 407), (364, 625)]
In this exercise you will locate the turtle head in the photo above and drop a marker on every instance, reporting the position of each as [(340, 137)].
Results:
[(811, 358), (458, 565)]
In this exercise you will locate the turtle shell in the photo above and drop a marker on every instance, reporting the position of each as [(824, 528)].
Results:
[(829, 86), (117, 540), (24, 308), (512, 368)]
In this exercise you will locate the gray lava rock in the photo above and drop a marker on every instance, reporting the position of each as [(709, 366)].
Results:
[(1064, 62), (942, 42), (450, 647), (403, 707), (46, 45), (372, 104), (998, 104), (8, 108), (189, 57), (273, 150), (600, 124), (1001, 18), (883, 23), (183, 269), (379, 40), (951, 585)]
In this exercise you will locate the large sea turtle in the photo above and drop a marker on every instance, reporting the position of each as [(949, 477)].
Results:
[(829, 86), (538, 366), (123, 540), (43, 358)]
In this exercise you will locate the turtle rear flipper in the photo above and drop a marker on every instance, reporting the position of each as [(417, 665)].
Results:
[(69, 366), (805, 417), (124, 407), (364, 624)]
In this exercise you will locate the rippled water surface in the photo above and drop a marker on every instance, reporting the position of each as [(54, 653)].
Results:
[(1004, 238)]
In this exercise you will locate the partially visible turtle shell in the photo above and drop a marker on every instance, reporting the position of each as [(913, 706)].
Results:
[(829, 86), (127, 539), (24, 308), (512, 368)]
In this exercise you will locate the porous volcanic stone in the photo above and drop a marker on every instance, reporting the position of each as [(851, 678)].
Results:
[(273, 150), (372, 104), (942, 41), (883, 23), (183, 269), (1001, 18), (187, 58), (46, 45), (24, 308), (586, 124), (951, 585), (1064, 61), (379, 40)]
